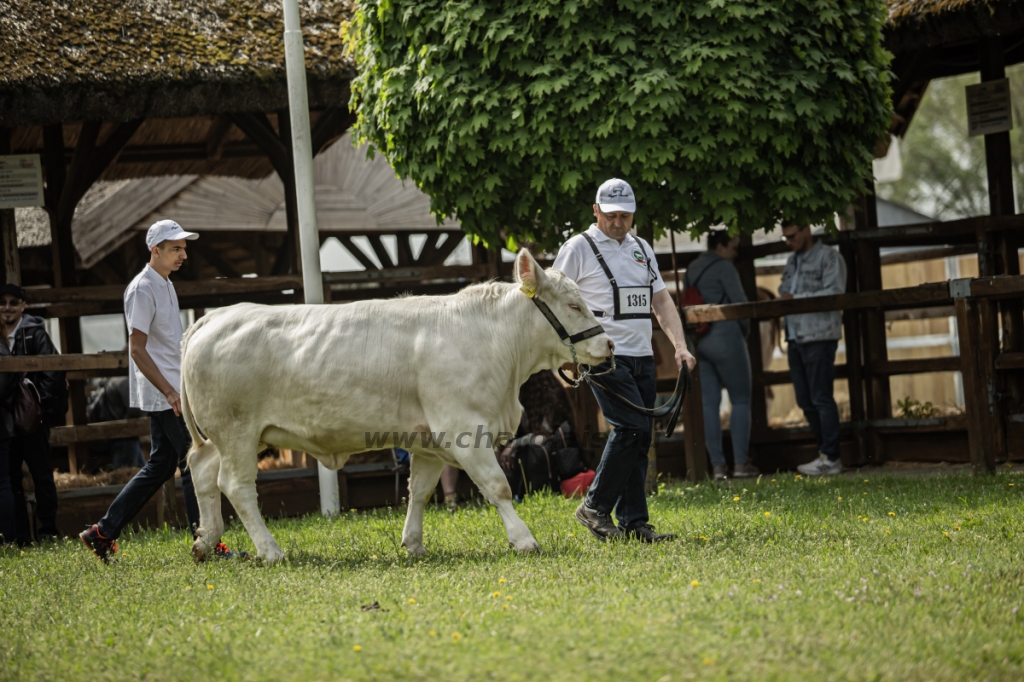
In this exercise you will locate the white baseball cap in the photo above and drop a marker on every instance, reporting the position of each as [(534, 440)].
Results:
[(166, 230), (616, 196)]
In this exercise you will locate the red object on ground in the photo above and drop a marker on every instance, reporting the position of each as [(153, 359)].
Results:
[(578, 484)]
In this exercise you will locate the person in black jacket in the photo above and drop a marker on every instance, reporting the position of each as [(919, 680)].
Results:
[(26, 335), (8, 382)]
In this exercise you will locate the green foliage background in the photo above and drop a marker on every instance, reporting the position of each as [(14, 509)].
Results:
[(511, 114)]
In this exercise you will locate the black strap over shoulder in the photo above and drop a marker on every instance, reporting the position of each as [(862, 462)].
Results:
[(611, 277)]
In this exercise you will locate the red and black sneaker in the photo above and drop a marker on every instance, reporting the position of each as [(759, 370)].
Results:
[(102, 547), (222, 551)]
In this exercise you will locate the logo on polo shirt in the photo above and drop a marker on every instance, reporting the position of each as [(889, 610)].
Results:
[(638, 256)]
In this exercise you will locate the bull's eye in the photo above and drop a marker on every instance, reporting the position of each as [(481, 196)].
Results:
[(574, 307)]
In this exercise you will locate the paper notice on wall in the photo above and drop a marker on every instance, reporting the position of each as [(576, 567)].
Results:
[(21, 181), (988, 108)]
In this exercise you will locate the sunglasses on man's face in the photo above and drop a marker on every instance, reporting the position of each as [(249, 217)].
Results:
[(10, 303)]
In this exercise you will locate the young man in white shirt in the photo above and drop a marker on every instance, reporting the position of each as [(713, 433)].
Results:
[(619, 280), (154, 376)]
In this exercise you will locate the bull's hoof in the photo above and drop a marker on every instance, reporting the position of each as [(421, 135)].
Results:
[(527, 546), (272, 556), (414, 548), (200, 550)]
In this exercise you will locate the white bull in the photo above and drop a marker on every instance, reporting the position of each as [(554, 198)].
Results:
[(320, 378)]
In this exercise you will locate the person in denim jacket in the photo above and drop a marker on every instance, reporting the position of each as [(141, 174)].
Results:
[(814, 269)]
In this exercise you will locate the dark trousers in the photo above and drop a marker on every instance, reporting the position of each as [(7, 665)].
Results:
[(170, 446), (34, 450), (7, 532), (619, 481), (813, 369)]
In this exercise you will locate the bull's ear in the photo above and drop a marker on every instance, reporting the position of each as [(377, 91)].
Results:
[(528, 272)]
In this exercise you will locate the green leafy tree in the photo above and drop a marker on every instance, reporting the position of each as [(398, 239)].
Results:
[(510, 114), (944, 174)]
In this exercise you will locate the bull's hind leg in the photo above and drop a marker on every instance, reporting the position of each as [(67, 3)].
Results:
[(238, 469), (423, 474), (482, 467), (204, 463)]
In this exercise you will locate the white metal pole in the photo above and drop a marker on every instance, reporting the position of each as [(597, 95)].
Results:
[(305, 192)]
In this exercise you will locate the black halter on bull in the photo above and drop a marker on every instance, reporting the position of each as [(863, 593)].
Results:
[(670, 409)]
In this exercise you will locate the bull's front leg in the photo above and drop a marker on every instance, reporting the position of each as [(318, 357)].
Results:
[(482, 466), (424, 470)]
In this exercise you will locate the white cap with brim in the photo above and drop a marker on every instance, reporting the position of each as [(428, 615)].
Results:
[(616, 196), (165, 231)]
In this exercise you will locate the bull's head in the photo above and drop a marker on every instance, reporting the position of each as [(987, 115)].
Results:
[(562, 297)]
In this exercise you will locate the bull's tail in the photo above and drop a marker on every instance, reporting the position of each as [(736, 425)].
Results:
[(186, 411)]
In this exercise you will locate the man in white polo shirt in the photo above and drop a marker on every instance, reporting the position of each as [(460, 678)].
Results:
[(619, 280), (154, 378)]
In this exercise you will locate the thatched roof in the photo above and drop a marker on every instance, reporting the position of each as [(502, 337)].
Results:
[(915, 24), (62, 60)]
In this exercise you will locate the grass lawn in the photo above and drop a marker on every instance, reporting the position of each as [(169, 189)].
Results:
[(891, 578)]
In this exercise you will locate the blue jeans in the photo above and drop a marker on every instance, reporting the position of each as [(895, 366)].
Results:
[(813, 368), (170, 445), (619, 481), (724, 362)]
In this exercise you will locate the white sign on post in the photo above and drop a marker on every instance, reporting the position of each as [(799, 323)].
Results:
[(21, 181), (988, 108)]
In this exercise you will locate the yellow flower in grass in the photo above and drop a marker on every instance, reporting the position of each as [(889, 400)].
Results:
[(357, 648), (736, 499), (432, 633), (209, 587), (892, 513), (188, 587), (508, 598), (501, 580), (504, 606), (456, 636), (767, 514), (694, 583), (495, 595), (412, 601)]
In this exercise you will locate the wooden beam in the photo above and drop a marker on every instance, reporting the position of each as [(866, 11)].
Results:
[(357, 253), (63, 363), (108, 152), (331, 125), (210, 255), (122, 428), (910, 297), (1011, 360), (216, 136), (381, 252)]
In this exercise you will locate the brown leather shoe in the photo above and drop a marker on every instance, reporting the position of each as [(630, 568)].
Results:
[(600, 525)]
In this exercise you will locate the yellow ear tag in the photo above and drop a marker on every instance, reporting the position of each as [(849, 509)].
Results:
[(529, 287)]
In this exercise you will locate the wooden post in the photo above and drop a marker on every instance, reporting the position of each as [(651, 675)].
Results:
[(291, 199), (854, 360), (869, 278), (65, 186), (758, 400), (693, 433), (979, 419), (999, 167)]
